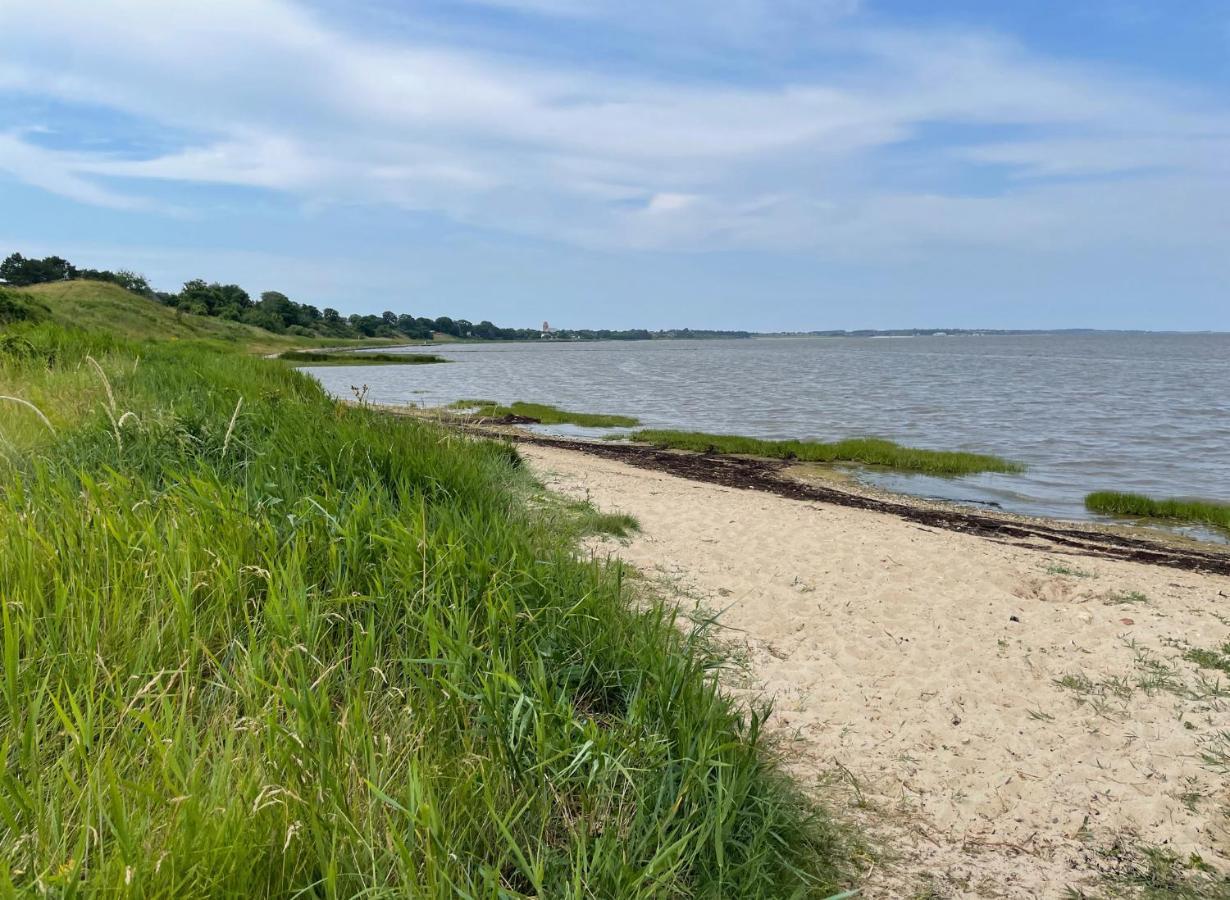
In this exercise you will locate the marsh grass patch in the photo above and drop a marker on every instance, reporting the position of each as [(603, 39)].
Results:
[(542, 413), (1199, 512), (865, 451)]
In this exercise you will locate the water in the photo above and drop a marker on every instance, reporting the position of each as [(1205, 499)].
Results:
[(1131, 412)]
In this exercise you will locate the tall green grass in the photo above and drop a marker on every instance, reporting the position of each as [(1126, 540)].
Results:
[(868, 451), (257, 643), (547, 415), (1203, 512)]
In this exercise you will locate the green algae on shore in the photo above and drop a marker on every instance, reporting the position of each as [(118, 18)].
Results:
[(868, 451), (544, 414), (1202, 512)]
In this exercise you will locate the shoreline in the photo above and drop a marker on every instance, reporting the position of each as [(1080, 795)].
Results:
[(1111, 541), (1000, 711)]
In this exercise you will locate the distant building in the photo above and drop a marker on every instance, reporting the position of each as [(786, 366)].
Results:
[(546, 328)]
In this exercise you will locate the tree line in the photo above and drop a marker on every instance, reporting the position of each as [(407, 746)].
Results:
[(276, 312)]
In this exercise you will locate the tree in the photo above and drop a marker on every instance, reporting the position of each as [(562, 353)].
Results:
[(213, 299), (133, 281), (369, 326), (279, 308), (18, 270)]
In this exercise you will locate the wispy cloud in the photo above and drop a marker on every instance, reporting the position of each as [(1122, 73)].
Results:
[(280, 101)]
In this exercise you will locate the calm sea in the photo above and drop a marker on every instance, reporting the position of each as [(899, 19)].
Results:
[(1135, 412)]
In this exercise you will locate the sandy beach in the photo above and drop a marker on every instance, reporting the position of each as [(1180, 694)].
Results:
[(1002, 720)]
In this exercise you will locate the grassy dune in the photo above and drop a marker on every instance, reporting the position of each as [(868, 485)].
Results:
[(869, 451), (1201, 512), (103, 307), (547, 415), (100, 307), (257, 643)]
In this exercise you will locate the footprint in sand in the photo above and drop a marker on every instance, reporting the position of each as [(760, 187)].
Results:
[(1053, 590)]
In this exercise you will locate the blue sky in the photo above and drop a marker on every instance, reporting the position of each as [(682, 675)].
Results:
[(763, 164)]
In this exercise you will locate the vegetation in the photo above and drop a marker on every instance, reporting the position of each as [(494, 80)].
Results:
[(326, 358), (1204, 512), (547, 415), (254, 642), (22, 272), (868, 451), (20, 307), (1217, 658), (275, 312), (105, 307)]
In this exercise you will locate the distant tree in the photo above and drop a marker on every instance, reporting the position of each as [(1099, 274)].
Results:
[(213, 299), (262, 318), (129, 281), (370, 326), (279, 308), (133, 281), (18, 270), (195, 297), (445, 325), (231, 294)]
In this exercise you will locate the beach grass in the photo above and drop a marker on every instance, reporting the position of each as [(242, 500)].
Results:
[(350, 358), (1202, 512), (867, 451), (544, 413), (255, 642)]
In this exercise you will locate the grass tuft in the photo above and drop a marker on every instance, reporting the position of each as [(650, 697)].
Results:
[(1203, 512), (1216, 658), (868, 451), (541, 412)]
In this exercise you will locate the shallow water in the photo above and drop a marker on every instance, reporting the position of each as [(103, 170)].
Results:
[(1132, 412)]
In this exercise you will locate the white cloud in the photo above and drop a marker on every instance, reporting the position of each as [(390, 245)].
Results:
[(668, 203), (59, 173), (274, 99)]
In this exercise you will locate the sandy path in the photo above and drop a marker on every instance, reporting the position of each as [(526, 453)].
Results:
[(923, 667)]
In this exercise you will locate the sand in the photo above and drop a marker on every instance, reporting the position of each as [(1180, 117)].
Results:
[(916, 675)]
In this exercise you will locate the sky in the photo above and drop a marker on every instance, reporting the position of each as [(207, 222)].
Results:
[(759, 164)]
